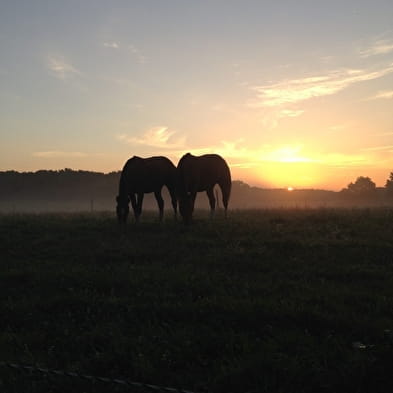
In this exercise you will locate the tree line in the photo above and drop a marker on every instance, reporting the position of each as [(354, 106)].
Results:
[(365, 187), (69, 189)]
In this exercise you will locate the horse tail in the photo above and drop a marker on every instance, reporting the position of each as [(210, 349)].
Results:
[(225, 184)]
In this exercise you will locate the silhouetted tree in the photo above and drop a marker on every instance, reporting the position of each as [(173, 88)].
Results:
[(389, 185), (363, 187)]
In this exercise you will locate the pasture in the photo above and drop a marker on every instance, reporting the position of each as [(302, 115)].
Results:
[(294, 300)]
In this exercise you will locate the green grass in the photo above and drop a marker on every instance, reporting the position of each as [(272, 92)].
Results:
[(265, 301)]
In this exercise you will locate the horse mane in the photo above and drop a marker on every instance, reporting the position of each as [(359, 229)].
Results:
[(185, 156)]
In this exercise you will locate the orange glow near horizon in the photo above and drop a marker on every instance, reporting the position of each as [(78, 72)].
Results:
[(280, 174), (279, 166), (308, 166)]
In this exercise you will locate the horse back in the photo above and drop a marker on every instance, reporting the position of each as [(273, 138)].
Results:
[(149, 174), (203, 172)]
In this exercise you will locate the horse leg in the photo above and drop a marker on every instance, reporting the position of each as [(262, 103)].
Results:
[(226, 191), (134, 205), (192, 199), (212, 201), (173, 200), (160, 203), (139, 205)]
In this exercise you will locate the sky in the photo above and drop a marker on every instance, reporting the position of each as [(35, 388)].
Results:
[(290, 93)]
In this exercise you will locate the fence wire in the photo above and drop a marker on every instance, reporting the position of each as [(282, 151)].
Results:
[(117, 381)]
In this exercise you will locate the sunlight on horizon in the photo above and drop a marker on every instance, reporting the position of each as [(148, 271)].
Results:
[(280, 174)]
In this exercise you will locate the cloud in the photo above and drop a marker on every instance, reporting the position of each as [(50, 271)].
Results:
[(271, 117), (240, 155), (382, 95), (345, 160), (379, 148), (290, 113), (121, 81), (246, 165), (60, 68), (233, 149), (338, 127), (113, 45), (247, 157), (58, 154), (297, 90), (158, 137), (381, 47), (137, 54), (384, 134), (243, 157)]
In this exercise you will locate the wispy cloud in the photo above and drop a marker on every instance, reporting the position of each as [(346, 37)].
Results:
[(157, 137), (297, 90), (137, 54), (338, 127), (244, 157), (382, 95), (112, 44), (240, 155), (233, 149), (290, 113), (61, 68), (383, 134), (271, 117), (341, 160), (380, 47), (121, 81), (379, 148), (133, 49), (58, 154)]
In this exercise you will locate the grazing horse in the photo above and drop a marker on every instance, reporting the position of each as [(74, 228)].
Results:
[(145, 175), (196, 174)]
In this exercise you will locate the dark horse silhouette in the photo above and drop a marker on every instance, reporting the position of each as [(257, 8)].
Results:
[(145, 175), (196, 174)]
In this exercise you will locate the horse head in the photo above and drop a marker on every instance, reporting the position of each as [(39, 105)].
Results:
[(186, 207), (122, 209)]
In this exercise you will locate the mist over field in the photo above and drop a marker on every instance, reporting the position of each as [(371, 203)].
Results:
[(68, 190)]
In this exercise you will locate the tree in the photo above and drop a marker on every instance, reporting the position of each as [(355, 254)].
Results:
[(363, 187), (389, 185)]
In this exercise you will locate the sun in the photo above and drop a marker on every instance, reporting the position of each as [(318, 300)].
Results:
[(290, 188)]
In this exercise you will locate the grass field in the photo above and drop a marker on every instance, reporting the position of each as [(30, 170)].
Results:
[(265, 301)]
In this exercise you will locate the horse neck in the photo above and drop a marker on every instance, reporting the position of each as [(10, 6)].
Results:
[(123, 189)]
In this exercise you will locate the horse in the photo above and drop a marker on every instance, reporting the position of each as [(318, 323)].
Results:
[(145, 175), (196, 174)]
